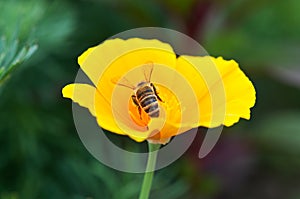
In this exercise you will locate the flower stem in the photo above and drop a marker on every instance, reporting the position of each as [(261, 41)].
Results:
[(147, 182)]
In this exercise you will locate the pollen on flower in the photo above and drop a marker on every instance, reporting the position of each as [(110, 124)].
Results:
[(140, 118)]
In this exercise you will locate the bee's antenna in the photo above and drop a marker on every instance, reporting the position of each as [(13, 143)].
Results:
[(122, 81), (148, 68)]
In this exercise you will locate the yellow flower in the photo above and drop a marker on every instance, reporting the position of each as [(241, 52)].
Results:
[(195, 91)]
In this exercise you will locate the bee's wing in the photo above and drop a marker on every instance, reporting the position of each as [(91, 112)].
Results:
[(148, 68), (122, 81)]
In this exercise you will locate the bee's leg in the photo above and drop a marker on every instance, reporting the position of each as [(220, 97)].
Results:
[(156, 93), (135, 101), (140, 112)]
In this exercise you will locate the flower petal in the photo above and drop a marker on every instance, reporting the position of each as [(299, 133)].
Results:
[(83, 56), (83, 94), (119, 56), (87, 96), (224, 92), (240, 92)]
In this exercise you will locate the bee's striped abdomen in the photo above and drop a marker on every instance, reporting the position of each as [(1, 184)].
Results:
[(152, 109), (148, 101)]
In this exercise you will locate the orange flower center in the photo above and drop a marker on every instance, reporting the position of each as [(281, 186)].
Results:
[(169, 108)]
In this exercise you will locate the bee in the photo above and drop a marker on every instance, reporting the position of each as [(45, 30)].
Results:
[(145, 95)]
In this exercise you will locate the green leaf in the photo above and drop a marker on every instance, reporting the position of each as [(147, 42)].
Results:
[(13, 55)]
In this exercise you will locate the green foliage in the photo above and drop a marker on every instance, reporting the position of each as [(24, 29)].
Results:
[(12, 55), (41, 155), (279, 135), (277, 130), (268, 32), (25, 23)]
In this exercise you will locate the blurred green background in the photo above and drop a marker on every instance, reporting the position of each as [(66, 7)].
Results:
[(41, 155)]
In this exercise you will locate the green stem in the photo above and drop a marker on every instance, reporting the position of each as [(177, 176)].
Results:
[(147, 182)]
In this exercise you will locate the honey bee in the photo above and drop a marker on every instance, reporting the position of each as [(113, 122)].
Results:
[(145, 95)]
